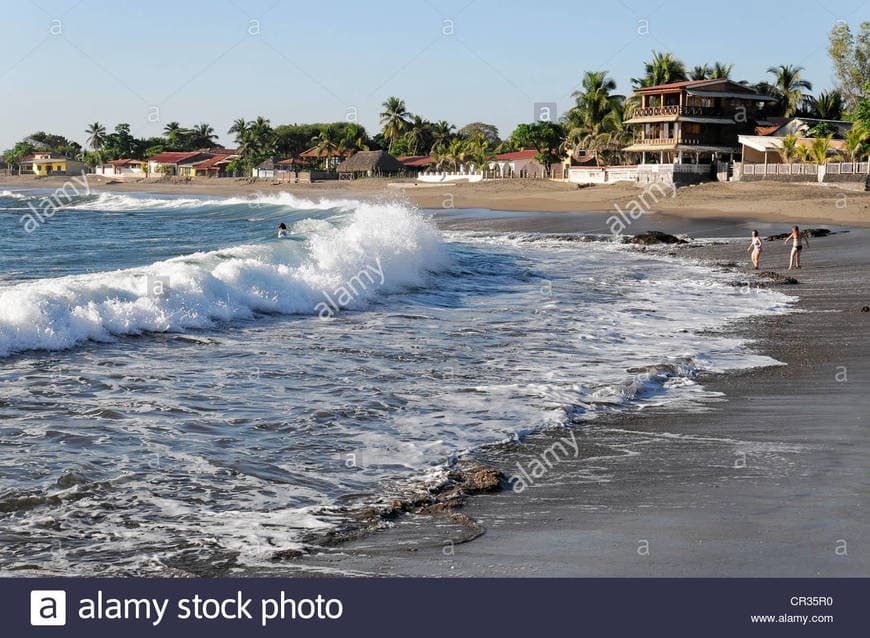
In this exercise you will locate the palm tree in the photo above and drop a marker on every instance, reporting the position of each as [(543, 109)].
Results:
[(855, 144), (355, 138), (394, 119), (327, 143), (442, 132), (203, 136), (820, 149), (789, 85), (720, 71), (663, 69), (789, 151), (456, 153), (828, 105), (419, 132), (597, 114), (700, 72), (96, 136), (239, 127), (172, 132)]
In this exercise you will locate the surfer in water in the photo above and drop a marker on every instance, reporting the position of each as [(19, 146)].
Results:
[(282, 231)]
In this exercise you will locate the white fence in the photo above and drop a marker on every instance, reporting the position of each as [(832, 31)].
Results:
[(638, 173), (813, 170)]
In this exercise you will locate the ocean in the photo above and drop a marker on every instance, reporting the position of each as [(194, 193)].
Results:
[(182, 390)]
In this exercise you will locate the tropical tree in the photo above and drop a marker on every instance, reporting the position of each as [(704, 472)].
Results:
[(820, 149), (489, 131), (662, 69), (855, 145), (442, 132), (328, 143), (96, 136), (789, 149), (238, 128), (850, 54), (597, 114), (701, 72), (789, 86), (545, 137), (173, 132), (720, 71), (828, 105), (394, 119), (419, 134), (202, 136)]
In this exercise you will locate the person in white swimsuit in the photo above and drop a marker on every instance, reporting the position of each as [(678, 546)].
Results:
[(797, 238), (755, 247), (282, 231)]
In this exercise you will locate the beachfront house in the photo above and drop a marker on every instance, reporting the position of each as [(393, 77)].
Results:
[(415, 164), (326, 160), (765, 147), (370, 164), (695, 121), (215, 166), (46, 164), (518, 164), (122, 168), (170, 162)]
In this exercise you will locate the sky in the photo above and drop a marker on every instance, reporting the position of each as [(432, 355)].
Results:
[(68, 63)]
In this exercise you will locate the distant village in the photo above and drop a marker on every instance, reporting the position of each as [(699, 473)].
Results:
[(680, 125)]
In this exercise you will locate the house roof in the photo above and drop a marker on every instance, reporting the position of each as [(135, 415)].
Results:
[(415, 160), (679, 85), (766, 143), (172, 157), (290, 161), (213, 162), (376, 161), (313, 152), (517, 155)]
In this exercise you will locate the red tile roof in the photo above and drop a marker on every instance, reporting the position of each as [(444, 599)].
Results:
[(517, 155), (125, 162), (291, 161), (766, 130), (212, 162), (171, 157), (415, 160)]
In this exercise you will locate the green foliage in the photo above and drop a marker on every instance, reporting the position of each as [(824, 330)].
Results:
[(489, 131), (664, 68), (544, 137), (850, 55)]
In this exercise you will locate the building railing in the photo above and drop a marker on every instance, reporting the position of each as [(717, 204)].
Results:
[(675, 109), (687, 141)]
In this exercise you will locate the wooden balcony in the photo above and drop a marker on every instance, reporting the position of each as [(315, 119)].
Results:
[(688, 111)]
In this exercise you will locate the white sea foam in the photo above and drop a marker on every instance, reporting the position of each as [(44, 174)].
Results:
[(234, 283), (119, 202)]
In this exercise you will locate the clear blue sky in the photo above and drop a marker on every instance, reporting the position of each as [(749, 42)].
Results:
[(205, 61)]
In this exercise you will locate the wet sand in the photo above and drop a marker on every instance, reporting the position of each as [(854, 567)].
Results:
[(771, 479)]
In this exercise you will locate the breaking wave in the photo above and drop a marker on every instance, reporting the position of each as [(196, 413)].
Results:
[(344, 262)]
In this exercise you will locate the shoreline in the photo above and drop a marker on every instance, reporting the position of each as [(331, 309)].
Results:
[(763, 201), (769, 481)]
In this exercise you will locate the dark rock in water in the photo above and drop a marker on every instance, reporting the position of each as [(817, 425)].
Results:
[(286, 554), (777, 279), (812, 232), (68, 479), (652, 237)]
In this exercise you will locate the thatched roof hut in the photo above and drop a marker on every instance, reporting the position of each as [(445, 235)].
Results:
[(371, 163)]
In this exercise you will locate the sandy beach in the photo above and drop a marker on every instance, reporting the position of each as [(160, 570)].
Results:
[(761, 201), (770, 480)]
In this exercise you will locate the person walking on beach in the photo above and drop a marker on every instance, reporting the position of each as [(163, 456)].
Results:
[(797, 238), (755, 247)]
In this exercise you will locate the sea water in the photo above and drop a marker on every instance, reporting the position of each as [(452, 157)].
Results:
[(182, 390)]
